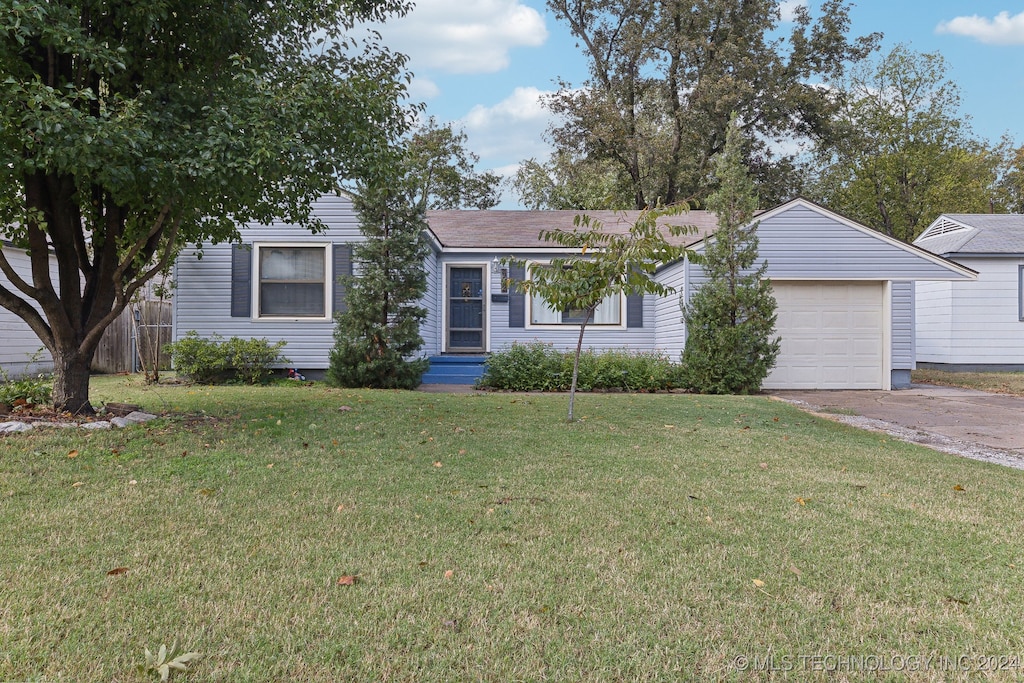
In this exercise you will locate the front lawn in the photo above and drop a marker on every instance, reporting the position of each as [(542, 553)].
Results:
[(664, 537)]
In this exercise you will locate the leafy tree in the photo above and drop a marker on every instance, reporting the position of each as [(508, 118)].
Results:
[(664, 77), (1011, 184), (128, 130), (906, 154), (607, 264), (447, 178), (731, 317), (567, 181), (376, 337)]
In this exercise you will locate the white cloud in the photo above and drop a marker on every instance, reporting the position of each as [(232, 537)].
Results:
[(422, 89), (1002, 30), (509, 131), (788, 8), (464, 37)]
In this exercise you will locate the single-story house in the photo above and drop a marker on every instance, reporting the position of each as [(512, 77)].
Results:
[(974, 326), (21, 353), (845, 292)]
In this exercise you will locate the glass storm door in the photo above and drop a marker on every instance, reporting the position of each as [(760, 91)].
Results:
[(465, 309)]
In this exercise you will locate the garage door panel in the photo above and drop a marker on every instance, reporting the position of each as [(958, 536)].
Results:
[(832, 335)]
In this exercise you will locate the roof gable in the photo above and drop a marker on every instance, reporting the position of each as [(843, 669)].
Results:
[(975, 233), (802, 240)]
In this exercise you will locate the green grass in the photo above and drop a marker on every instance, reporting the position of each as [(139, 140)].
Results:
[(998, 382), (620, 548)]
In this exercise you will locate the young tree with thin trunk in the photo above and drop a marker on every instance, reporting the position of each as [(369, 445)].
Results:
[(605, 264), (129, 130)]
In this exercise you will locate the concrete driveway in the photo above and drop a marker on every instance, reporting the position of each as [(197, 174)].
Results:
[(975, 424)]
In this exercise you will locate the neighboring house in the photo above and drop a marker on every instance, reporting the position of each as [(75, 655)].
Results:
[(974, 326), (21, 351), (845, 292)]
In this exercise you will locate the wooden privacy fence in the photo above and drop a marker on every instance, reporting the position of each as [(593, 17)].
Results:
[(119, 349)]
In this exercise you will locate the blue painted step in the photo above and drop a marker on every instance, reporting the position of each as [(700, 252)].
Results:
[(454, 370)]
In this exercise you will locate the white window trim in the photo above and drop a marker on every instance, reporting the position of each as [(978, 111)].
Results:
[(328, 280), (530, 325)]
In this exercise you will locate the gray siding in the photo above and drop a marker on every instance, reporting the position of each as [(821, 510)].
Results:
[(203, 294), (800, 243), (902, 326), (669, 329), (19, 342), (596, 337), (430, 330)]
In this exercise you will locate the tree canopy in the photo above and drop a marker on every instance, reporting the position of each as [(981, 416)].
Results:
[(665, 76), (905, 153), (444, 171), (129, 130)]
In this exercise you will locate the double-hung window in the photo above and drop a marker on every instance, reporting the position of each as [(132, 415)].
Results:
[(608, 312), (293, 281)]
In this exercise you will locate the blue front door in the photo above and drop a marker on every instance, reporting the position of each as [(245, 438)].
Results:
[(466, 309)]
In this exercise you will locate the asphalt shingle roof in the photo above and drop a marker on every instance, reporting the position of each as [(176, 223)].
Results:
[(987, 233), (493, 229)]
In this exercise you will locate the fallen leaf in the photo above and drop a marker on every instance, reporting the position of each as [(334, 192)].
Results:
[(73, 454), (340, 508), (270, 466), (77, 484), (759, 583), (803, 501), (206, 492), (462, 451), (958, 487), (278, 422), (796, 571), (347, 580), (763, 465), (449, 573), (117, 570), (438, 464), (133, 482), (344, 409)]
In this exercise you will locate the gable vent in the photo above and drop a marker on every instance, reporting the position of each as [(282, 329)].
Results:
[(943, 226)]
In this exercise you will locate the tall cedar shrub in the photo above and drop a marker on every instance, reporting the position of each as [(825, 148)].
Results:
[(378, 335), (730, 319)]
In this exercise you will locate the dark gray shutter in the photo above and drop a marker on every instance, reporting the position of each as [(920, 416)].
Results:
[(241, 281), (634, 310), (516, 299), (342, 266)]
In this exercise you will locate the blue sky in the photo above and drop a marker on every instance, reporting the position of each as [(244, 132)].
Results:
[(484, 64)]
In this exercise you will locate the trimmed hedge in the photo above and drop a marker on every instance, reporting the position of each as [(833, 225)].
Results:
[(537, 366)]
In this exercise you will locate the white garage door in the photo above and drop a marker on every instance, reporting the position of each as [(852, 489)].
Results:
[(833, 336)]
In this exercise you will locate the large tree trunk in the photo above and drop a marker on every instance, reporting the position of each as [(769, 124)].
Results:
[(71, 371)]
